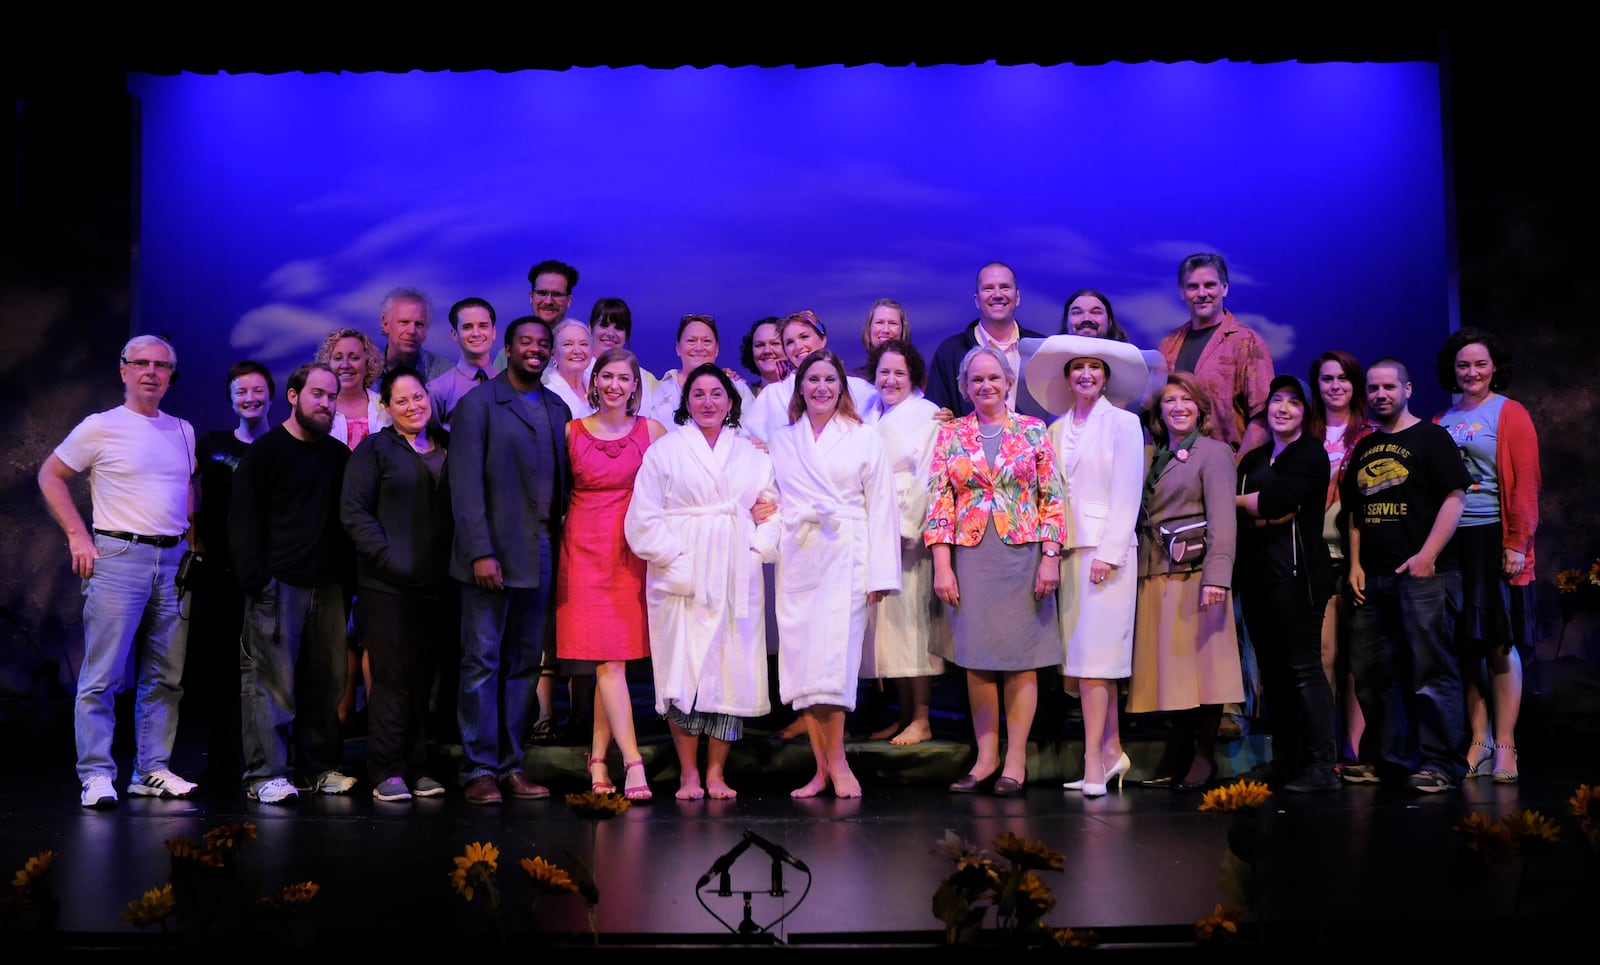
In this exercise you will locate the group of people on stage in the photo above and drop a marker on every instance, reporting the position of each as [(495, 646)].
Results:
[(453, 532)]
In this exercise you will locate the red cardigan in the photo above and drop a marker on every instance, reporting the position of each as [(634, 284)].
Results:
[(1516, 461)]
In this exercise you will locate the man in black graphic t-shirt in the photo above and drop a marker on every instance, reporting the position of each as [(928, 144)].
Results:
[(1403, 493)]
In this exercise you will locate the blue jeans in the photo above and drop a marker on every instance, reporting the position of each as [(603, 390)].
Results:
[(130, 598), (291, 676), (1408, 678), (502, 640)]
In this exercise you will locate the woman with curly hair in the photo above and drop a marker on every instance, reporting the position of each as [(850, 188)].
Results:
[(355, 359)]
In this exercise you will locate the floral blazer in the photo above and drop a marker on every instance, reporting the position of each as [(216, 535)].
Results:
[(1022, 494)]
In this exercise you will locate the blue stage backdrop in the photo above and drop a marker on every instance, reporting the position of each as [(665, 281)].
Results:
[(274, 208)]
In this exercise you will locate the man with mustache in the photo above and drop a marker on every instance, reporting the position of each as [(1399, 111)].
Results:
[(296, 567), (140, 462)]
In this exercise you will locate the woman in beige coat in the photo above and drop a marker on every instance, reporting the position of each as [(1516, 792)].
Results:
[(1185, 645)]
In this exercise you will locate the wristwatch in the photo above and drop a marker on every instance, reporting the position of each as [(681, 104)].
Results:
[(1052, 553)]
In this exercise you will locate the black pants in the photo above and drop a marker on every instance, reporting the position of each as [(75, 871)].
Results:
[(402, 635), (1286, 628)]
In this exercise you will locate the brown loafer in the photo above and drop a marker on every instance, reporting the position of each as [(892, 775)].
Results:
[(482, 790), (520, 787)]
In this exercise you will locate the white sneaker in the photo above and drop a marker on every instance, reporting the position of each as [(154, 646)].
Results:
[(276, 791), (334, 782), (162, 783), (98, 792)]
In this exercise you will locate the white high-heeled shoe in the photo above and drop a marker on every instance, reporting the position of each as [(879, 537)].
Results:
[(1116, 772)]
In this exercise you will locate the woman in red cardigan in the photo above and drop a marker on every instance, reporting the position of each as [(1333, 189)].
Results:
[(1494, 543)]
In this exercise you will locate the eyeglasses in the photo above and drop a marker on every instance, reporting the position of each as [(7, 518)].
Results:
[(142, 364), (547, 293), (705, 319)]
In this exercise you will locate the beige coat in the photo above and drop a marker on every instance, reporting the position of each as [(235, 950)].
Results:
[(1205, 483)]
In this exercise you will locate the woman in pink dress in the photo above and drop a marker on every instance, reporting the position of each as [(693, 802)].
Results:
[(600, 614)]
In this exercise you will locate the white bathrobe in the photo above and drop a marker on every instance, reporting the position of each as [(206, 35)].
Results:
[(661, 403), (840, 541), (690, 521), (770, 410), (1102, 467), (900, 626)]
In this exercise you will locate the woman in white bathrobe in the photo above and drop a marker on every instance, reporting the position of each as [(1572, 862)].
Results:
[(1100, 458), (838, 552), (697, 344), (702, 518), (901, 626), (802, 334)]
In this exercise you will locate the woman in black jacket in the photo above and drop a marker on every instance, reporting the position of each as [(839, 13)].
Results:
[(396, 508), (1284, 577)]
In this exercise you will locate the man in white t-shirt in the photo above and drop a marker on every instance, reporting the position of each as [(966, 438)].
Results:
[(140, 463)]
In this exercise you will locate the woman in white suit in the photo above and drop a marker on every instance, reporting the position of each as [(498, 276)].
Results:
[(1100, 457)]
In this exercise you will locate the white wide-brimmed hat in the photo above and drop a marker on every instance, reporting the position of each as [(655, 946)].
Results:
[(1126, 371)]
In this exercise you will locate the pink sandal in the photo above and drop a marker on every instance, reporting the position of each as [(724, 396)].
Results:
[(640, 792), (599, 787)]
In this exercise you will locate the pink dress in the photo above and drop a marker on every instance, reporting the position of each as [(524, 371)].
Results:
[(600, 611)]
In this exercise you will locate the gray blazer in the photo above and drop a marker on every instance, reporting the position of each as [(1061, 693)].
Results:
[(1205, 484), (498, 455)]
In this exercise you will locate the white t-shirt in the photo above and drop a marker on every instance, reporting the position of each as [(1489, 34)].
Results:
[(139, 469)]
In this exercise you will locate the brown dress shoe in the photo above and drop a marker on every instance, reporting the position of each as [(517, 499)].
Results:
[(519, 786), (482, 790)]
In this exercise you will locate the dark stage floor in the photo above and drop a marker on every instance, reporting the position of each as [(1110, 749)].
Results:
[(1141, 865)]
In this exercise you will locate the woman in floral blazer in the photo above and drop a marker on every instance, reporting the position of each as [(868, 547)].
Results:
[(994, 527)]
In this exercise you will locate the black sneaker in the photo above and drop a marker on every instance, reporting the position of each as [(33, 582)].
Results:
[(1430, 782), (1314, 779)]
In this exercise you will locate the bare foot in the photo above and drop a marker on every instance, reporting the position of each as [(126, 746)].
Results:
[(812, 787), (689, 788), (884, 733), (845, 784), (796, 728), (915, 733), (719, 790)]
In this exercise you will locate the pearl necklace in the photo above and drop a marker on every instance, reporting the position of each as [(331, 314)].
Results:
[(998, 427)]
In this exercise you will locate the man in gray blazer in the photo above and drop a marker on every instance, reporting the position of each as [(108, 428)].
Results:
[(509, 482)]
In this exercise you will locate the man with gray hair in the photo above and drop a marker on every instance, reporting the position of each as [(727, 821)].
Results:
[(141, 463), (404, 318)]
